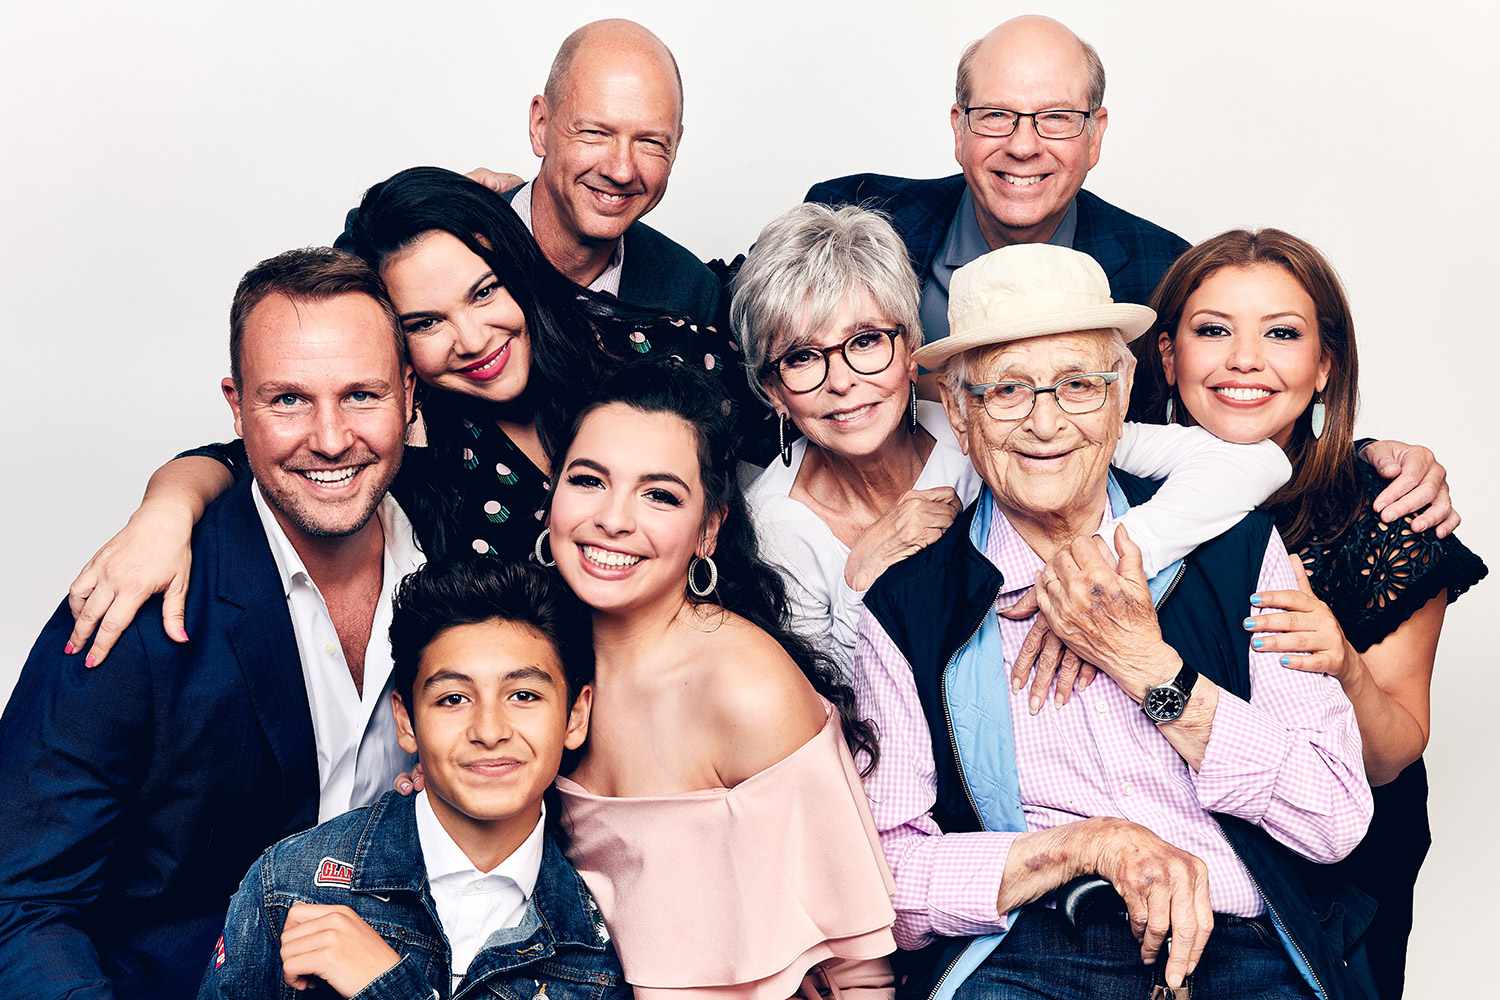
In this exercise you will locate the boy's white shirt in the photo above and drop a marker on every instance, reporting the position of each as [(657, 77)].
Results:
[(471, 904), (1209, 486)]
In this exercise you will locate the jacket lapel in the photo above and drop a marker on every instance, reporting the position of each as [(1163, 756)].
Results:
[(265, 645), (1098, 240)]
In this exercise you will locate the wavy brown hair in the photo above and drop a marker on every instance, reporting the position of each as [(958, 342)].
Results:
[(1322, 498)]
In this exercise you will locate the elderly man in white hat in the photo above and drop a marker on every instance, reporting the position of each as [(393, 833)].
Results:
[(1194, 789)]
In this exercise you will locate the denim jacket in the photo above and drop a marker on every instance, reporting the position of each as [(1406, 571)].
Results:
[(370, 860)]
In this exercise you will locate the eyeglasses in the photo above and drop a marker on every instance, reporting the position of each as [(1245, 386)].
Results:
[(868, 352), (1054, 123), (1076, 394)]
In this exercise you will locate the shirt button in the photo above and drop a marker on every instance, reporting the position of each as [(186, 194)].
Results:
[(1128, 790), (1100, 707), (328, 648)]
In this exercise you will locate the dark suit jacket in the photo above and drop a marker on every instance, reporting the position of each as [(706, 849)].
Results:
[(1133, 252), (141, 791)]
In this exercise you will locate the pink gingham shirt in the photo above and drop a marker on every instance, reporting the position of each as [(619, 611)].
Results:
[(1289, 760)]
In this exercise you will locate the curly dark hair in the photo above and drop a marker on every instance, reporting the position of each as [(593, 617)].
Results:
[(748, 586)]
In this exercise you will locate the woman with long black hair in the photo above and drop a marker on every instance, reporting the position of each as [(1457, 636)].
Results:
[(505, 349)]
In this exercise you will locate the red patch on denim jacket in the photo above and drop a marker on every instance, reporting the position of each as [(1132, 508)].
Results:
[(219, 952), (335, 873)]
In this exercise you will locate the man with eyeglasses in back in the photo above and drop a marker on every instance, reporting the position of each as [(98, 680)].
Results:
[(1028, 125)]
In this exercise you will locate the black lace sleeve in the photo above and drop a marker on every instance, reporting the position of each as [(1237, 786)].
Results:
[(1375, 576)]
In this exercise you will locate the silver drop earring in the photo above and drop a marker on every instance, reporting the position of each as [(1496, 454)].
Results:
[(1319, 417), (1171, 409)]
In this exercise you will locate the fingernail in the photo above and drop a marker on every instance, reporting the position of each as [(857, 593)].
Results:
[(1016, 682), (69, 649), (405, 786), (1286, 661), (1036, 704), (1255, 600), (89, 662), (1257, 642), (1249, 622)]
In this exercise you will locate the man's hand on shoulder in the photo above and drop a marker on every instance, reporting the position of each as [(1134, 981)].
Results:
[(333, 944), (496, 180), (1418, 481)]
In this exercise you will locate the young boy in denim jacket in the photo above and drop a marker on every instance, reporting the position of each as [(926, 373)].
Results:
[(460, 888)]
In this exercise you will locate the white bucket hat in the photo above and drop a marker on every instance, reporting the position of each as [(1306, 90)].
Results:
[(1029, 290)]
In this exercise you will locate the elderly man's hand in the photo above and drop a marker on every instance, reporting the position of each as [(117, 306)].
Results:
[(1418, 482), (1043, 657), (1104, 613), (1165, 891)]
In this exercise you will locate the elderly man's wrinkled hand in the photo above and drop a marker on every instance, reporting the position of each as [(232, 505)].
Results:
[(1044, 658), (1165, 891), (1104, 612)]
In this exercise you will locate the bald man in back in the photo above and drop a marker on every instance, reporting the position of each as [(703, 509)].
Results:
[(1028, 125), (607, 127)]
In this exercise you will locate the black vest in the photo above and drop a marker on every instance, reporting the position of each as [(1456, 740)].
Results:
[(933, 602)]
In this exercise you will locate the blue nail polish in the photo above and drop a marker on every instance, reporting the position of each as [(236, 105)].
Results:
[(1249, 622), (1255, 600), (1286, 661), (1257, 642)]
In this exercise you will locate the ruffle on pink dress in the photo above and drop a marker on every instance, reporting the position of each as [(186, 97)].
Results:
[(770, 889)]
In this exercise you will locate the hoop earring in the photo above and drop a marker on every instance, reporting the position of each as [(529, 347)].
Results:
[(713, 576), (536, 549), (911, 420), (786, 448), (1171, 410), (1319, 417)]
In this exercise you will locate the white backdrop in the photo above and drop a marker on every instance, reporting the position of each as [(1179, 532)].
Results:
[(148, 158)]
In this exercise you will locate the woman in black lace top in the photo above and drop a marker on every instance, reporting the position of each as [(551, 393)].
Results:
[(505, 349), (1255, 341)]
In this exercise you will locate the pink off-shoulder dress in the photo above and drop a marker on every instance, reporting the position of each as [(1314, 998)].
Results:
[(771, 889)]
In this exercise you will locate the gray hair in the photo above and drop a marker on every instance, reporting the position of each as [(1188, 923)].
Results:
[(804, 265), (955, 373), (963, 87)]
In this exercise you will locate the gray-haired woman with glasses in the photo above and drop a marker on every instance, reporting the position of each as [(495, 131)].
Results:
[(825, 307)]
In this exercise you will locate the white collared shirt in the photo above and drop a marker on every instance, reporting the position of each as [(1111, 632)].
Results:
[(472, 904), (609, 278), (355, 734)]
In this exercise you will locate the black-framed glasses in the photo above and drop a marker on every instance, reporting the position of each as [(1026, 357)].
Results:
[(868, 352), (1053, 123), (1076, 394)]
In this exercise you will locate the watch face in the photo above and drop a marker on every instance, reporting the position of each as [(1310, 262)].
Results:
[(1164, 703)]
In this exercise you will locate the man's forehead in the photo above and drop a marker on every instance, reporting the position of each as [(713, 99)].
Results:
[(1043, 356), (1051, 69), (347, 336)]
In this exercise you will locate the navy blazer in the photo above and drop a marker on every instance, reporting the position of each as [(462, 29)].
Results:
[(141, 791), (1134, 253)]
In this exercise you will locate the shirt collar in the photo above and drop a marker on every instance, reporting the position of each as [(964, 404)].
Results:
[(966, 242), (443, 858), (609, 278), (401, 553)]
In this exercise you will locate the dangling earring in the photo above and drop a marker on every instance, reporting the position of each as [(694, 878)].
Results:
[(536, 549), (713, 576), (911, 420), (1171, 409), (786, 448), (1319, 416)]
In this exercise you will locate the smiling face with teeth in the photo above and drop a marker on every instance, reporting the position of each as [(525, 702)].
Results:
[(464, 330), (607, 133), (1246, 357), (1047, 470), (1023, 184), (627, 513), (850, 415), (322, 406)]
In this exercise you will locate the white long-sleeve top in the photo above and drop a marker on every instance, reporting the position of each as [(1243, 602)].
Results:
[(1210, 484)]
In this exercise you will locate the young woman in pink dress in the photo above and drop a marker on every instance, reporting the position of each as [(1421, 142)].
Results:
[(717, 813)]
